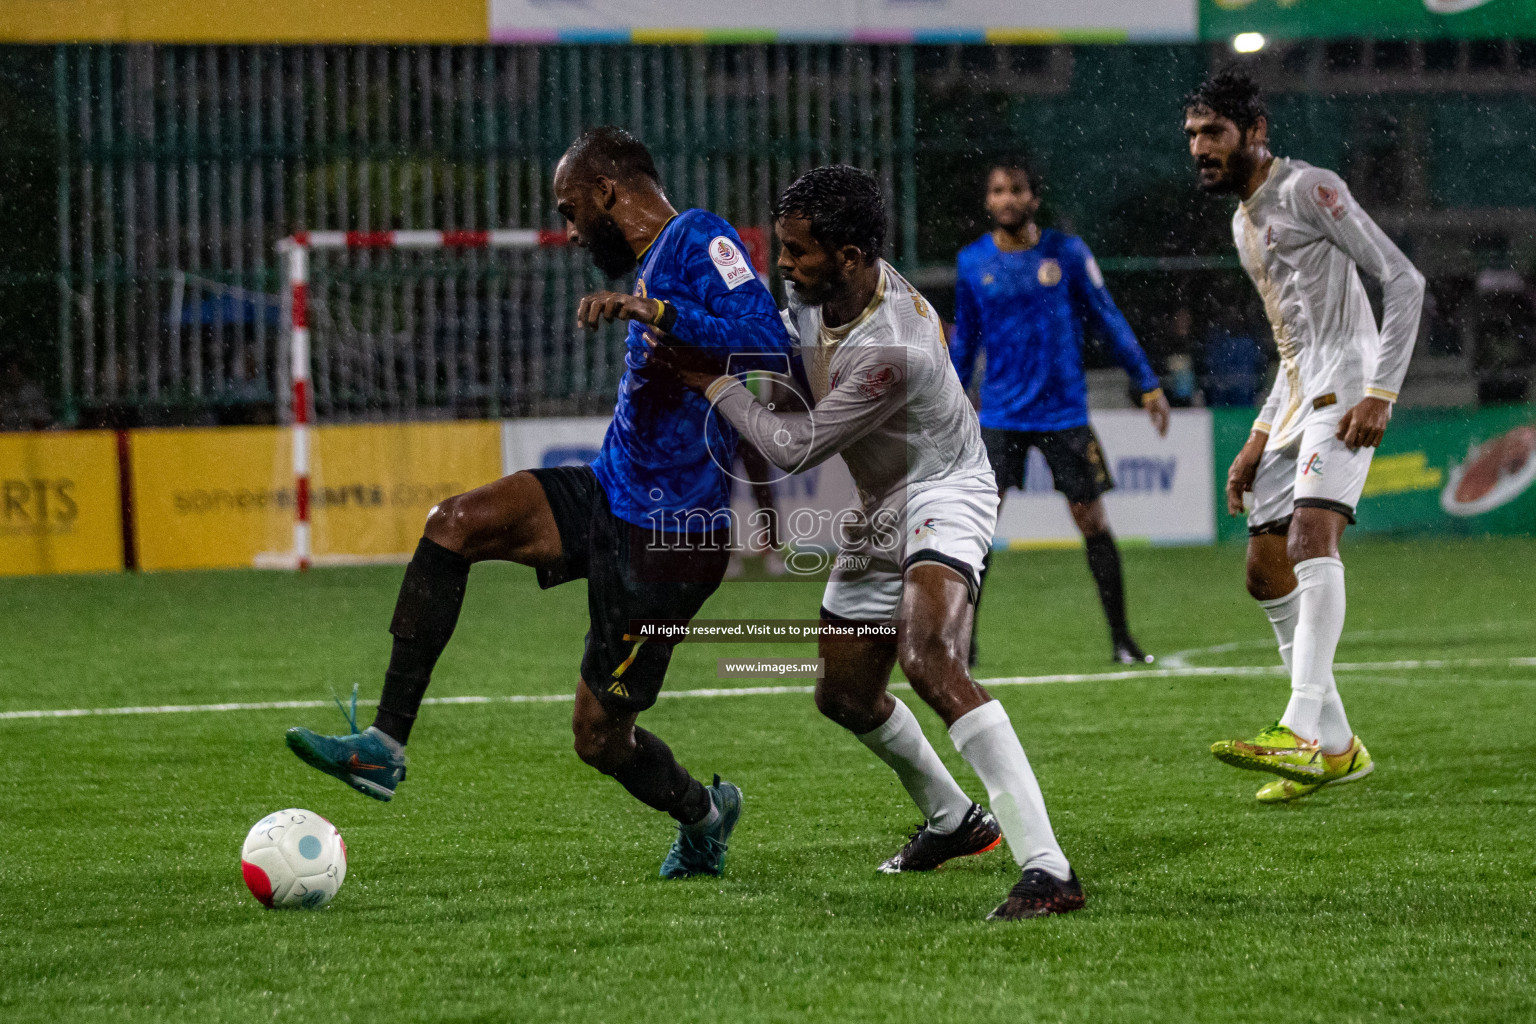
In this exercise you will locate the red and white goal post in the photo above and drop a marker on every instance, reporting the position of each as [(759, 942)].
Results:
[(297, 250)]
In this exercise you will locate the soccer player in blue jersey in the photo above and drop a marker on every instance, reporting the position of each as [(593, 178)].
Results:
[(1023, 295), (646, 524)]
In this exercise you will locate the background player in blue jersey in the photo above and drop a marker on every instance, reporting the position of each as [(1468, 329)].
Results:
[(645, 524), (1023, 294)]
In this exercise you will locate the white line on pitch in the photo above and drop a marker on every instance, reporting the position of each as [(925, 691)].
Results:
[(1180, 659), (759, 691)]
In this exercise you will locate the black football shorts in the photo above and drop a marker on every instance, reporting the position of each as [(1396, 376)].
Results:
[(629, 576), (1074, 455)]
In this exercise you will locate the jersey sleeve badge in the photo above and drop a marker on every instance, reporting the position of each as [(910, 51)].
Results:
[(1330, 200), (877, 381), (734, 268), (1049, 273)]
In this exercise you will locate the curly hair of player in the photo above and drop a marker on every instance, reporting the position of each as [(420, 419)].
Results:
[(1231, 94), (843, 205)]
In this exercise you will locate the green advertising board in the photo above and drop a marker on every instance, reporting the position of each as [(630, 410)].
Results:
[(1378, 19), (1465, 472)]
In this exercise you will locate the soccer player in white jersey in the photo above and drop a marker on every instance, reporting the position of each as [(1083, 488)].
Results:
[(888, 400), (1302, 239)]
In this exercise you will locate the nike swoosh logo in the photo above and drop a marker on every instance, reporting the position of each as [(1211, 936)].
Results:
[(356, 764)]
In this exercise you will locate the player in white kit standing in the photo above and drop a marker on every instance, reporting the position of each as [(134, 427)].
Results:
[(1302, 239), (888, 400)]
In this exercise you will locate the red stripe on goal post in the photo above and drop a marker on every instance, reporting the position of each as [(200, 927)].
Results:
[(466, 239), (301, 401), (300, 315)]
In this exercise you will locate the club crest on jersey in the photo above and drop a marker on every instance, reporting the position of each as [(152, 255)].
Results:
[(926, 527), (1049, 273), (1330, 200), (733, 266), (1314, 466), (640, 287), (877, 381)]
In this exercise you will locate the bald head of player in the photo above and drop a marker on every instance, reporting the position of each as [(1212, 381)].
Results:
[(1227, 126), (830, 223), (609, 192)]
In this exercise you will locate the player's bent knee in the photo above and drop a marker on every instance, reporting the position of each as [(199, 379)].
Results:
[(931, 664), (848, 710), (448, 523), (1090, 518), (605, 749), (1305, 544), (1260, 584)]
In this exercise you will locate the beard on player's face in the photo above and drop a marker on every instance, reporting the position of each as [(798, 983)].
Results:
[(1010, 211), (818, 290), (1011, 218), (1227, 175), (610, 250)]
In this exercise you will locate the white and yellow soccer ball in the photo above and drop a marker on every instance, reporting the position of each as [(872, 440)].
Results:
[(294, 859)]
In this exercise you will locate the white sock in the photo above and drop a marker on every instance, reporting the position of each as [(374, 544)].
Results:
[(706, 822), (1320, 622), (1282, 616), (901, 744), (985, 738), (1333, 732)]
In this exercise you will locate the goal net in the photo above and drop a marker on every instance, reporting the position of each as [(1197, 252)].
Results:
[(404, 350)]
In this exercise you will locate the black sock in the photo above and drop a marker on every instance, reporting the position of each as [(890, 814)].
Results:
[(654, 777), (425, 614), (1104, 563)]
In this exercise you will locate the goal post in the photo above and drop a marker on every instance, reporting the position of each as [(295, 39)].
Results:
[(425, 341), (301, 307)]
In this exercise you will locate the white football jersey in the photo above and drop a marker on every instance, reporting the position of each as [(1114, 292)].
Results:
[(1301, 238), (886, 398)]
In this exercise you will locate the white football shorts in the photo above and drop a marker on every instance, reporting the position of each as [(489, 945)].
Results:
[(1315, 470), (951, 524)]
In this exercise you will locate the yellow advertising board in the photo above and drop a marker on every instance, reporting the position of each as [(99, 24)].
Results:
[(275, 21), (59, 503), (210, 498), (373, 485), (223, 496)]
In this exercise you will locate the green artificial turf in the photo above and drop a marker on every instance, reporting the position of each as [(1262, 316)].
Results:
[(509, 882)]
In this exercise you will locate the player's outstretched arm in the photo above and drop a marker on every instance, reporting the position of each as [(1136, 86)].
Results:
[(869, 393)]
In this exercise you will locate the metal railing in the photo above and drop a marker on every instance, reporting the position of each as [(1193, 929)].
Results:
[(178, 168)]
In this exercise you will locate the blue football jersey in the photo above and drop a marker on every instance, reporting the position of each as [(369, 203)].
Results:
[(1026, 309), (656, 463)]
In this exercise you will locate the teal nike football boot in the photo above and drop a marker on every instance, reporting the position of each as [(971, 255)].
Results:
[(364, 760), (701, 850)]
